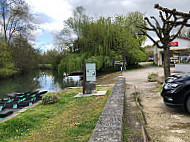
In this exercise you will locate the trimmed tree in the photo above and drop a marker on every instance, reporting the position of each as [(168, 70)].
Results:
[(171, 20)]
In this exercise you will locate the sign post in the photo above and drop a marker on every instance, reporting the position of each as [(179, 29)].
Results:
[(84, 76), (89, 75)]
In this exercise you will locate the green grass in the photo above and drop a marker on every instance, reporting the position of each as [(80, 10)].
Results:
[(71, 119), (6, 73), (45, 66), (158, 87)]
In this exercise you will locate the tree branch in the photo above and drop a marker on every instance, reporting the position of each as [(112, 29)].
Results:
[(156, 43), (166, 10), (145, 28), (177, 33), (157, 26), (178, 23), (153, 27)]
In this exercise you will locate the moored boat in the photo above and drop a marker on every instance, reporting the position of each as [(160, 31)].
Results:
[(18, 101)]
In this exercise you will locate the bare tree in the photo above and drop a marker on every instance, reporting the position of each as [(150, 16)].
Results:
[(14, 18), (171, 20)]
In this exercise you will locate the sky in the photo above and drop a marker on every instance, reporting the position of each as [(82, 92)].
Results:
[(50, 14)]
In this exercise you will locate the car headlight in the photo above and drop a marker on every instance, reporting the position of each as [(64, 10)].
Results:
[(169, 86)]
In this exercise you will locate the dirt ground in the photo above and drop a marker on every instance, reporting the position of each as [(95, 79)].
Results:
[(164, 123)]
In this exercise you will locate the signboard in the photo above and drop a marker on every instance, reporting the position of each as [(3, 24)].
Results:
[(90, 72), (173, 43)]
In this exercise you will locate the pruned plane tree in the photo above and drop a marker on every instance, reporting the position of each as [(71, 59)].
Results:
[(172, 23)]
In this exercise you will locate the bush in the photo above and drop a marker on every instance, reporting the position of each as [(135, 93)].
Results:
[(50, 98), (152, 77), (4, 72)]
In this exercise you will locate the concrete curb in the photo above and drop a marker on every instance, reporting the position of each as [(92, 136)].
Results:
[(109, 126)]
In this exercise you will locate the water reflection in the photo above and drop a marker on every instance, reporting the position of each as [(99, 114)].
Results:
[(37, 80)]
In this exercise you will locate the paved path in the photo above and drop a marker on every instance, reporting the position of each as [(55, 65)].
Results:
[(164, 123), (139, 77)]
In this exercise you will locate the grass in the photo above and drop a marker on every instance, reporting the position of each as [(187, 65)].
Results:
[(152, 77), (6, 73), (45, 66), (158, 87), (72, 119)]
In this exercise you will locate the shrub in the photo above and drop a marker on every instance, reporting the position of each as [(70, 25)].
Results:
[(50, 98), (152, 77)]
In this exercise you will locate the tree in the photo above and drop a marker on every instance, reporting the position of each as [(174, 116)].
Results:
[(171, 19), (6, 62), (127, 42), (76, 23), (102, 40), (14, 18), (26, 58)]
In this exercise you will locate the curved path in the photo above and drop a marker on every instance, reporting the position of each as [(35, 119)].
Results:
[(138, 77), (164, 123)]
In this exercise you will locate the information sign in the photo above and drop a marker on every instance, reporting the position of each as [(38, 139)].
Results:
[(90, 72)]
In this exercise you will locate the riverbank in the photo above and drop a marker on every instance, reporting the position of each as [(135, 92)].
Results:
[(72, 119)]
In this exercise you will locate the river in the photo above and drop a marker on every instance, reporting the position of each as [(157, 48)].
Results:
[(37, 80)]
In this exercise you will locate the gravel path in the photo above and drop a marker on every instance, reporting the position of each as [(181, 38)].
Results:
[(164, 123)]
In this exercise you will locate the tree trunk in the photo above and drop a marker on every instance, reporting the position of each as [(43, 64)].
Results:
[(166, 62), (124, 63)]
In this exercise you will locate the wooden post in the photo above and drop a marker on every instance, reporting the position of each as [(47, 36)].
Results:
[(84, 75)]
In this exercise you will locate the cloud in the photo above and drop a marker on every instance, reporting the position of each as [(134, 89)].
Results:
[(44, 46), (38, 32), (52, 27), (53, 12), (123, 7), (49, 16), (48, 47), (41, 18)]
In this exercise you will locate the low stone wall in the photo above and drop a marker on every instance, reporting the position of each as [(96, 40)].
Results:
[(109, 126)]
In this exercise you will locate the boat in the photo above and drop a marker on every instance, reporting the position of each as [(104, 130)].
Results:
[(8, 111), (17, 101)]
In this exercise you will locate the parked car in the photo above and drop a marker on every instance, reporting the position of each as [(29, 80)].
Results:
[(176, 91), (150, 59)]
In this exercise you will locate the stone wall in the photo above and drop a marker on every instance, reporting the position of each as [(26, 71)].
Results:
[(109, 126)]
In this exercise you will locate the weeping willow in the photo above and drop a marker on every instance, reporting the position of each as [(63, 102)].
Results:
[(102, 41), (74, 62)]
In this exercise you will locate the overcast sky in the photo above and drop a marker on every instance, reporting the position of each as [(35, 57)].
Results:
[(52, 13)]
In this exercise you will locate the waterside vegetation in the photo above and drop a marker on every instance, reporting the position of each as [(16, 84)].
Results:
[(70, 119), (102, 41)]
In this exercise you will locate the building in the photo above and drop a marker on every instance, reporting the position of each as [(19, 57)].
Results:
[(179, 52)]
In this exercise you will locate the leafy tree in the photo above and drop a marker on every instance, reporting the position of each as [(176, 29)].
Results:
[(6, 63), (25, 57), (102, 40), (149, 51), (127, 40)]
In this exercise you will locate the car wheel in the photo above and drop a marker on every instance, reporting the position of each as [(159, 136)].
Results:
[(188, 104)]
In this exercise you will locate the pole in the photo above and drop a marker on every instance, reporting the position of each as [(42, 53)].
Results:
[(84, 75)]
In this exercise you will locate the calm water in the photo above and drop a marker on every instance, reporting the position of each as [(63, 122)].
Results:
[(37, 80)]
